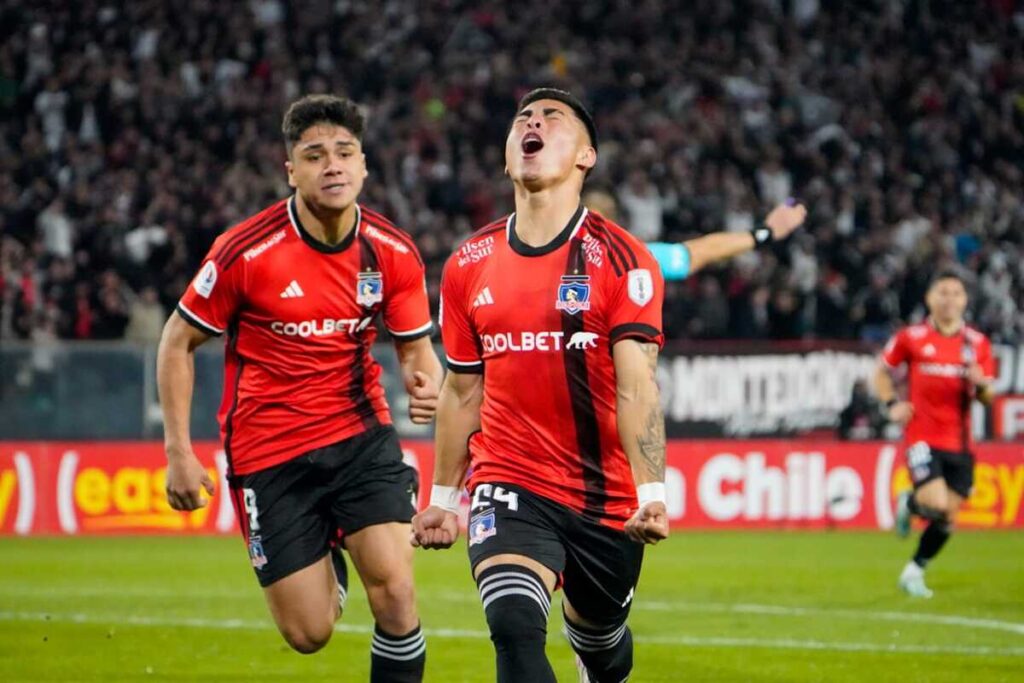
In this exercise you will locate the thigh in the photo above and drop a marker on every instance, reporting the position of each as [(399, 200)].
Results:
[(280, 519), (374, 485), (304, 599), (510, 524), (601, 572), (381, 552)]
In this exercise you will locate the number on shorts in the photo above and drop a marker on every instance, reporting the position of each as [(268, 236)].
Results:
[(919, 455), (249, 500), (485, 493)]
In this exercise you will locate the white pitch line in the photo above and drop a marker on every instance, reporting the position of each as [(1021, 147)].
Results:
[(676, 641), (642, 605)]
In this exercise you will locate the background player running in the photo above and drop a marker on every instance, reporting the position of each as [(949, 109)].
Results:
[(950, 365), (313, 457), (551, 321)]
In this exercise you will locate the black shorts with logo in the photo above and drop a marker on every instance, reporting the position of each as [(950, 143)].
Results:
[(291, 512), (927, 463), (598, 567)]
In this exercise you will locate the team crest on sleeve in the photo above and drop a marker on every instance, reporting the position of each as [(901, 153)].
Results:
[(640, 286), (207, 278), (481, 527), (369, 288), (573, 294)]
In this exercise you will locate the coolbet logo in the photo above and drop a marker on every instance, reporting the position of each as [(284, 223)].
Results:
[(524, 341), (582, 340), (321, 328), (207, 278)]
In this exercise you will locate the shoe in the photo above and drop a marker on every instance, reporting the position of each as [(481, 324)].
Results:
[(581, 672), (912, 582), (903, 515), (341, 574)]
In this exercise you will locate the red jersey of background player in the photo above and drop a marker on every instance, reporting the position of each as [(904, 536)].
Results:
[(939, 389), (542, 321), (298, 370)]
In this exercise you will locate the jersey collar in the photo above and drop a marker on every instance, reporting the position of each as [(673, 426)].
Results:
[(958, 332), (300, 230), (567, 233)]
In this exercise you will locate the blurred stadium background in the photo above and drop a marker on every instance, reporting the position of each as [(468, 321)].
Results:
[(131, 134)]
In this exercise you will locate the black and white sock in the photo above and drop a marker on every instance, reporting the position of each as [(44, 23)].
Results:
[(516, 603), (397, 659), (341, 574), (607, 653), (934, 537)]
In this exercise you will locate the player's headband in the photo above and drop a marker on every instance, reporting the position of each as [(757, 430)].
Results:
[(566, 98)]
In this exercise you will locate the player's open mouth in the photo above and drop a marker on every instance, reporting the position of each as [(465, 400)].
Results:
[(334, 188), (532, 144)]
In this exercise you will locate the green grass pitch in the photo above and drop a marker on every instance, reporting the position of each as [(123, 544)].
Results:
[(710, 607)]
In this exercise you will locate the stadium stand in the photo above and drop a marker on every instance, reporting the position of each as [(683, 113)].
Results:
[(131, 134)]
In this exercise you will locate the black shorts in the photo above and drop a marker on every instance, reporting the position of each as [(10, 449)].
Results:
[(291, 512), (598, 567), (927, 463)]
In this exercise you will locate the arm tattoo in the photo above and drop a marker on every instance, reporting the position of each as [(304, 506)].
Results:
[(651, 440)]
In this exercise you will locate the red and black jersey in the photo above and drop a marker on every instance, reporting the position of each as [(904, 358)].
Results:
[(299, 317), (540, 323), (939, 389)]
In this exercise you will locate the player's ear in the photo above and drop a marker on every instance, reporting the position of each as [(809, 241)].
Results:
[(366, 171), (587, 158), (291, 174)]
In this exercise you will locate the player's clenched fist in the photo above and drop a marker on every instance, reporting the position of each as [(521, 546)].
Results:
[(434, 528), (186, 477), (423, 398), (785, 218), (649, 524)]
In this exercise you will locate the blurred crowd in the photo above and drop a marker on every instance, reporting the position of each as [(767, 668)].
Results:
[(131, 134)]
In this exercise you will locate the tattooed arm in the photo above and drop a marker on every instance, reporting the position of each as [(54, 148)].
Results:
[(642, 432)]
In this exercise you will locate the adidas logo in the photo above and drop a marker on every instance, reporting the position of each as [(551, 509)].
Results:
[(484, 298), (292, 291)]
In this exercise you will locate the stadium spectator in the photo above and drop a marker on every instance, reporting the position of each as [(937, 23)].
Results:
[(901, 125)]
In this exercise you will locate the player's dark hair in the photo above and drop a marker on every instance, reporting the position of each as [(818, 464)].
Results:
[(313, 109), (947, 274), (566, 98)]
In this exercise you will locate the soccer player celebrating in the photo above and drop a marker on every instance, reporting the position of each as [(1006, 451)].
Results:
[(950, 365), (551, 322), (314, 462)]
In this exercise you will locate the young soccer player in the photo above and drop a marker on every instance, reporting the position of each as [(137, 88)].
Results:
[(314, 463), (950, 365)]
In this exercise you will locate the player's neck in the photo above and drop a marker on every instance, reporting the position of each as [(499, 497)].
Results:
[(947, 327), (329, 227), (542, 215)]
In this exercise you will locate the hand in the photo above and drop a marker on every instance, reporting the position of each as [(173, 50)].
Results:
[(977, 376), (901, 412), (422, 398), (784, 219), (649, 524), (185, 477), (434, 528)]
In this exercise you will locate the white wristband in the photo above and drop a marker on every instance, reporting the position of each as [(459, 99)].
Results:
[(650, 493), (446, 497)]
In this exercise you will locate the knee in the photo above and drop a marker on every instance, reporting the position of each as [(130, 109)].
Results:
[(393, 604), (306, 639)]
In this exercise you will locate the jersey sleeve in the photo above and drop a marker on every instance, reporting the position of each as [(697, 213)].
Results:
[(896, 351), (985, 358), (674, 259), (635, 300), (213, 296), (460, 342), (406, 308)]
